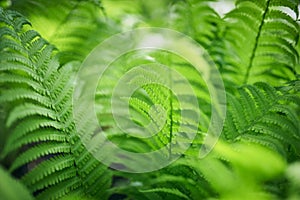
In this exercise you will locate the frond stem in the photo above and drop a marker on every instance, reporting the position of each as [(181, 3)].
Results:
[(256, 43), (170, 116)]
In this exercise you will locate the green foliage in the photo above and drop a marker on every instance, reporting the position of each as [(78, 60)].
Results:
[(256, 48), (230, 172), (166, 120), (265, 116), (66, 24), (39, 117), (9, 186), (264, 37)]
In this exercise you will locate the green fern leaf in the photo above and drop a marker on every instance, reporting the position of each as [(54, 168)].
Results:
[(263, 111), (37, 93), (264, 37), (70, 24)]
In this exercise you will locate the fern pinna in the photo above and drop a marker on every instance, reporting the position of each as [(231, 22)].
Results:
[(38, 94)]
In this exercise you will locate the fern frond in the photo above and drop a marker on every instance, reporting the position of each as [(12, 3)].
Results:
[(163, 123), (69, 24), (196, 19), (243, 168), (41, 132), (264, 37), (263, 112), (14, 19)]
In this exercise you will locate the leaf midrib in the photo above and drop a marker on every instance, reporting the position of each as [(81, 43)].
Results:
[(256, 43)]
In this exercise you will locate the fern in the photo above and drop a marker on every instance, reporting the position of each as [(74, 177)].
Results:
[(41, 129), (69, 24), (263, 115), (243, 174), (196, 19), (164, 123), (256, 41), (264, 37)]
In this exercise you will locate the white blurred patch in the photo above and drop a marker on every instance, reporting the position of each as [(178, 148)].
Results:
[(153, 40), (222, 6)]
